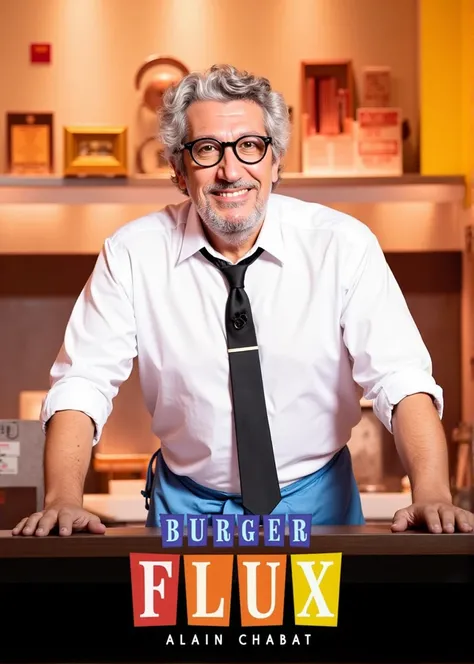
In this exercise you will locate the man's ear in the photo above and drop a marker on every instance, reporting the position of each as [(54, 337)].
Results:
[(178, 175), (275, 168), (181, 179)]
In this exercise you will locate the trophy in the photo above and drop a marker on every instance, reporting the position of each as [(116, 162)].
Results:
[(152, 80)]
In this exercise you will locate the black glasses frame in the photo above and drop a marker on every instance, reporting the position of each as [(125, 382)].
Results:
[(228, 144)]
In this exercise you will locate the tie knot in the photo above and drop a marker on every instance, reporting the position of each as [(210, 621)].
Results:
[(235, 274)]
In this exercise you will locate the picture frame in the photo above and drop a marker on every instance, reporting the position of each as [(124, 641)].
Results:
[(29, 143), (95, 151)]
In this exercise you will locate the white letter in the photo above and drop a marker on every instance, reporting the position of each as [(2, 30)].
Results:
[(242, 636), (223, 534), (299, 533), (201, 594), (282, 639), (316, 593), (148, 578), (252, 589), (248, 537), (172, 530), (192, 525), (273, 529)]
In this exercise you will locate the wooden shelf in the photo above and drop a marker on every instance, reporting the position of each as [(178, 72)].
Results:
[(146, 191), (53, 215)]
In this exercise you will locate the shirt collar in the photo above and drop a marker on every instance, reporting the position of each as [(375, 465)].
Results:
[(270, 238), (194, 239)]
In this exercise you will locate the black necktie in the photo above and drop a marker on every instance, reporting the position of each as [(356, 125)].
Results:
[(258, 475)]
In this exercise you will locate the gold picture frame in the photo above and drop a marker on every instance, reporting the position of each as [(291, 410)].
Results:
[(95, 151), (29, 143)]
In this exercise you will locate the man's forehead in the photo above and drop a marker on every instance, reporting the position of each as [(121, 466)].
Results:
[(214, 115)]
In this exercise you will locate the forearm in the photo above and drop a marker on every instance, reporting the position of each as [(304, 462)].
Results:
[(68, 449), (421, 445)]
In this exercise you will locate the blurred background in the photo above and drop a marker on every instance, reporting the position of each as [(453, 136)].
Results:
[(380, 96)]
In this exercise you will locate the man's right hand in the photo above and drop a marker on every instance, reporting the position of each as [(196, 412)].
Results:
[(68, 518)]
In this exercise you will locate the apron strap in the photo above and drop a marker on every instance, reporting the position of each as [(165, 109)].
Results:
[(150, 476)]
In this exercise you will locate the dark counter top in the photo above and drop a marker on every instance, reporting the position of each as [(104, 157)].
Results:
[(78, 595), (358, 541)]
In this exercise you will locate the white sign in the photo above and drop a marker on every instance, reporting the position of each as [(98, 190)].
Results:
[(9, 448), (8, 465), (379, 141)]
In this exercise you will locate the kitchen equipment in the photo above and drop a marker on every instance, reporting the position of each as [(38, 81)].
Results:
[(21, 470)]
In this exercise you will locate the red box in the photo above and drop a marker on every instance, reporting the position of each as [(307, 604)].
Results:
[(40, 53)]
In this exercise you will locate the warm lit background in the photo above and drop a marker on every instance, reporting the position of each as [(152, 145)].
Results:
[(50, 235)]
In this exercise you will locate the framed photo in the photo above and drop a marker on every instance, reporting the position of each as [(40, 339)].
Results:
[(95, 151), (29, 143)]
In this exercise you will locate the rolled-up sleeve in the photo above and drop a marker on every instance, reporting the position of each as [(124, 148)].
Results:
[(390, 359), (99, 345)]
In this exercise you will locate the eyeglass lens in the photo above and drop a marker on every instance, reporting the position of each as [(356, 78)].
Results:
[(208, 152)]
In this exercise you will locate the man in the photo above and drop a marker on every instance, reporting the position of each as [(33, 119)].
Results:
[(249, 370)]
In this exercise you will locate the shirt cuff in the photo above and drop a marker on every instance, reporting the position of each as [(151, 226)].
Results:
[(403, 384), (76, 394)]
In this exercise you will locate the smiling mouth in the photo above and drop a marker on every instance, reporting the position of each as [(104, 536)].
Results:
[(232, 194)]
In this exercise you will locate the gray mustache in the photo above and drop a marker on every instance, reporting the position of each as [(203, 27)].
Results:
[(234, 185)]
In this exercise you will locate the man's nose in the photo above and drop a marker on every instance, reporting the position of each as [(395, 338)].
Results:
[(230, 168)]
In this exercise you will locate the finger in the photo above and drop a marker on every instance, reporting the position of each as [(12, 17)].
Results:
[(465, 521), (74, 521), (65, 521), (80, 521), (96, 526), (470, 518), (432, 519), (19, 526), (447, 518), (47, 523), (400, 521), (31, 523)]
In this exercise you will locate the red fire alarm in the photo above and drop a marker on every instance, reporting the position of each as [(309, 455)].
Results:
[(40, 53)]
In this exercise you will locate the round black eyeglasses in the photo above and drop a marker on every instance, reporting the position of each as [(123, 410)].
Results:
[(207, 152)]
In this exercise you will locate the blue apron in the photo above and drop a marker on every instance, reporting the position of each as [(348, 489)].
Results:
[(330, 494)]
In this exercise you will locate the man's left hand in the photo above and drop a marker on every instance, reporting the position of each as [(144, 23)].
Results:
[(438, 517)]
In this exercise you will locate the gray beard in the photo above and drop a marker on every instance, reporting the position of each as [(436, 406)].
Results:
[(235, 232)]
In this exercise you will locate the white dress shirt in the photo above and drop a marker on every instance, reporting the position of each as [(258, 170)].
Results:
[(329, 317)]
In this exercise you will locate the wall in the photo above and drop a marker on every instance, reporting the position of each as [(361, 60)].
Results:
[(98, 45)]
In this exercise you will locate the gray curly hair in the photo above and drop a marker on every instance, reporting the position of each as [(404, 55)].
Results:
[(220, 83)]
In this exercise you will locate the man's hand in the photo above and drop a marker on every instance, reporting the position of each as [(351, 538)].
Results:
[(438, 517), (68, 518)]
